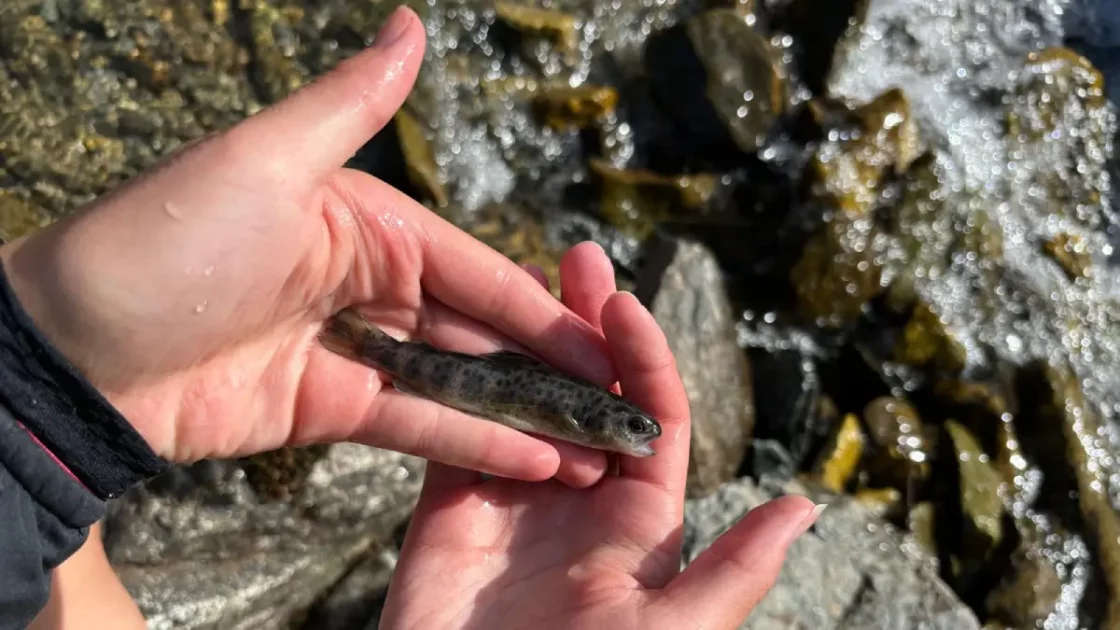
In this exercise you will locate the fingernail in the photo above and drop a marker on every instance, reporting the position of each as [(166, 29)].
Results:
[(814, 514), (394, 27), (794, 533)]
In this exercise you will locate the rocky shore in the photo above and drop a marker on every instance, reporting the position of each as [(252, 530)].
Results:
[(880, 235)]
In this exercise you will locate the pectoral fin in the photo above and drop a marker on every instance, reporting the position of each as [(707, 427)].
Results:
[(404, 388)]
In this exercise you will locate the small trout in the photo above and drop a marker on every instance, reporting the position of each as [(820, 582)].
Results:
[(506, 387)]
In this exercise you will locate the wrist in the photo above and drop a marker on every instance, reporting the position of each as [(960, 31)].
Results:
[(49, 393)]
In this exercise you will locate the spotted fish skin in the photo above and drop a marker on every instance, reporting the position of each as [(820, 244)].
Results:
[(507, 387)]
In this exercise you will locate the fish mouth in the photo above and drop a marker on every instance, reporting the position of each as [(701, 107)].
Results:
[(641, 450)]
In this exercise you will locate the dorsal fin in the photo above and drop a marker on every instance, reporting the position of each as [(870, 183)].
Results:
[(509, 356)]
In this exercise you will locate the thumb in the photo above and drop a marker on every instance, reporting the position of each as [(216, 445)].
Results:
[(721, 586), (316, 129)]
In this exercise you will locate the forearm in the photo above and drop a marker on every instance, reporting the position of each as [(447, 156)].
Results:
[(87, 595)]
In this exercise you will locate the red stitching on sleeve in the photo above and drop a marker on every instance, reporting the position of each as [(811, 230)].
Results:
[(52, 455)]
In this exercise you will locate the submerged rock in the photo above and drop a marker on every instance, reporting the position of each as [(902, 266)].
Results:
[(980, 501), (687, 297), (840, 457), (746, 80), (850, 570), (1028, 597)]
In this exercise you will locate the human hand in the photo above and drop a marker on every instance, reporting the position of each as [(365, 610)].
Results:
[(191, 296), (505, 554)]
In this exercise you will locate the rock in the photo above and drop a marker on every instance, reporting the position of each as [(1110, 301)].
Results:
[(638, 200), (197, 548), (421, 165), (841, 266), (902, 453), (849, 571), (980, 501), (688, 299), (355, 602), (1029, 595), (840, 457), (746, 81), (791, 414)]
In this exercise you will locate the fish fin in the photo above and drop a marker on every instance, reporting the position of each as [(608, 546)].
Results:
[(348, 332), (515, 358), (403, 388)]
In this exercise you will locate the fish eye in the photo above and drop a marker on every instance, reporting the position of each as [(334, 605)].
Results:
[(636, 424)]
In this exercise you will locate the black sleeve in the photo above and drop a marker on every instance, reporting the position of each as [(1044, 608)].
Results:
[(45, 515), (48, 410)]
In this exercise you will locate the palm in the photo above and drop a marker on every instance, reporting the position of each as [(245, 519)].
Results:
[(588, 550)]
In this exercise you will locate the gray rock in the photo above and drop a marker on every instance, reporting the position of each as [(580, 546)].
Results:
[(198, 549), (849, 571), (355, 602), (683, 287)]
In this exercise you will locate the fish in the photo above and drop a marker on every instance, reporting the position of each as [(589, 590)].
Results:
[(507, 387)]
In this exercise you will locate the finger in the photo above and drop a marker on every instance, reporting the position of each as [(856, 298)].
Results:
[(580, 467), (474, 279), (444, 327), (440, 477), (725, 582), (587, 280), (323, 124), (538, 275), (650, 380)]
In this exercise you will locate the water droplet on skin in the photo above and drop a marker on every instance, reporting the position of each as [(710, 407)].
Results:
[(172, 211), (201, 307), (209, 270)]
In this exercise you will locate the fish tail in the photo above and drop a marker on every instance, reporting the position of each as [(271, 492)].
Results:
[(351, 335)]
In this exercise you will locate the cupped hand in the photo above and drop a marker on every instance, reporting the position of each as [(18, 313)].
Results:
[(192, 295), (500, 553)]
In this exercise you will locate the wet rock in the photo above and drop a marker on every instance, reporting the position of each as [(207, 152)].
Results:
[(850, 570), (686, 295), (275, 69), (421, 164), (557, 27), (745, 77), (980, 501), (1071, 252), (1027, 596), (839, 272), (922, 523), (1063, 433), (768, 458), (840, 457), (638, 200), (841, 266), (19, 217), (794, 413), (355, 602), (926, 340), (882, 502), (579, 107), (198, 548), (902, 454)]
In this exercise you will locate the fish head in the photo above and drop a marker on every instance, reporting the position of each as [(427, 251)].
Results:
[(626, 429)]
